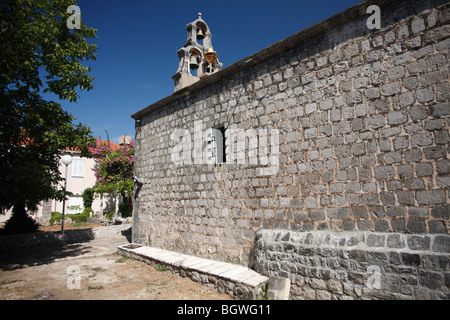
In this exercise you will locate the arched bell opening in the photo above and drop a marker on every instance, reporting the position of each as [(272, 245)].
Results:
[(211, 59), (201, 32), (195, 58)]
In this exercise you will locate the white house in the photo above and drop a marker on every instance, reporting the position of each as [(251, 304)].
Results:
[(80, 175)]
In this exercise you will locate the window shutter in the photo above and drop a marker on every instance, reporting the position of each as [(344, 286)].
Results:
[(78, 168), (216, 146)]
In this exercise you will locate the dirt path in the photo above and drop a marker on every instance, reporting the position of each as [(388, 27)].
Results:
[(91, 270), (108, 277)]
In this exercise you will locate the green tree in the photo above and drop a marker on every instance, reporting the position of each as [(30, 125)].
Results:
[(39, 54)]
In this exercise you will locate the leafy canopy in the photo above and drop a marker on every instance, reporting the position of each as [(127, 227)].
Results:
[(39, 54)]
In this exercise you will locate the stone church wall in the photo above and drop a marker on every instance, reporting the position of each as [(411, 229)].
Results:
[(346, 130)]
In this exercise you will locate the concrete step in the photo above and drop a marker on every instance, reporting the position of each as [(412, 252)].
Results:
[(236, 280)]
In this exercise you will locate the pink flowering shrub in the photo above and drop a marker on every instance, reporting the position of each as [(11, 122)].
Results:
[(115, 169)]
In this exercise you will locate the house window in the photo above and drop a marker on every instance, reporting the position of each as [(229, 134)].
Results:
[(78, 168), (216, 146)]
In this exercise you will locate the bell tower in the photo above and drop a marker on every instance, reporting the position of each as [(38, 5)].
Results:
[(197, 59)]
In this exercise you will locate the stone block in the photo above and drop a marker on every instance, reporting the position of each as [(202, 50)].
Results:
[(402, 58), (430, 197), (310, 108), (354, 97), (434, 152), (417, 25), (417, 67), (391, 88), (425, 95), (405, 197), (396, 211), (375, 240), (441, 244), (396, 72), (419, 242), (338, 213), (384, 172), (414, 184), (443, 166), (372, 93), (421, 139), (424, 169), (431, 280), (378, 121), (430, 78), (395, 241), (401, 143), (418, 112), (416, 226), (413, 43)]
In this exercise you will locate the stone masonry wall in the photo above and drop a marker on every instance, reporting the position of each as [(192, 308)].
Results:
[(356, 264), (363, 123)]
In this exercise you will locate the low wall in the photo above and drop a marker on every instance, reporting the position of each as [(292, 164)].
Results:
[(356, 264), (35, 239)]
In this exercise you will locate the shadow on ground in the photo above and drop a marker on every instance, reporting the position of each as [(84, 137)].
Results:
[(40, 255), (26, 250)]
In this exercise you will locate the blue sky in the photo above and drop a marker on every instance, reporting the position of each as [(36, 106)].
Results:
[(138, 40)]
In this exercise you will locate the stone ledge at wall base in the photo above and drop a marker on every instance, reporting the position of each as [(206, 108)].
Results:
[(235, 280), (107, 222), (36, 239), (326, 265)]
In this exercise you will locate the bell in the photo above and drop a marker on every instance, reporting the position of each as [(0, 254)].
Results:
[(200, 35), (211, 56), (193, 63)]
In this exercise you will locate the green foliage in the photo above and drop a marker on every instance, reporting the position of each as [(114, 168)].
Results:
[(80, 224), (39, 54), (124, 187), (160, 267), (87, 211), (74, 208), (35, 35), (115, 170), (80, 217), (55, 217), (115, 174), (88, 197), (110, 214), (126, 208)]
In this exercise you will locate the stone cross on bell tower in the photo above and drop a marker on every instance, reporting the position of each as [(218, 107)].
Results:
[(197, 57)]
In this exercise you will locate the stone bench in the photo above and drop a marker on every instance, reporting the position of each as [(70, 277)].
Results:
[(238, 281)]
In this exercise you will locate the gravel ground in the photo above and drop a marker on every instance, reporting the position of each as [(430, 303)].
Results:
[(91, 270)]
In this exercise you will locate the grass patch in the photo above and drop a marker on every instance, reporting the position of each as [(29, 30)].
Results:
[(121, 260), (160, 267), (80, 224), (95, 287), (10, 281)]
